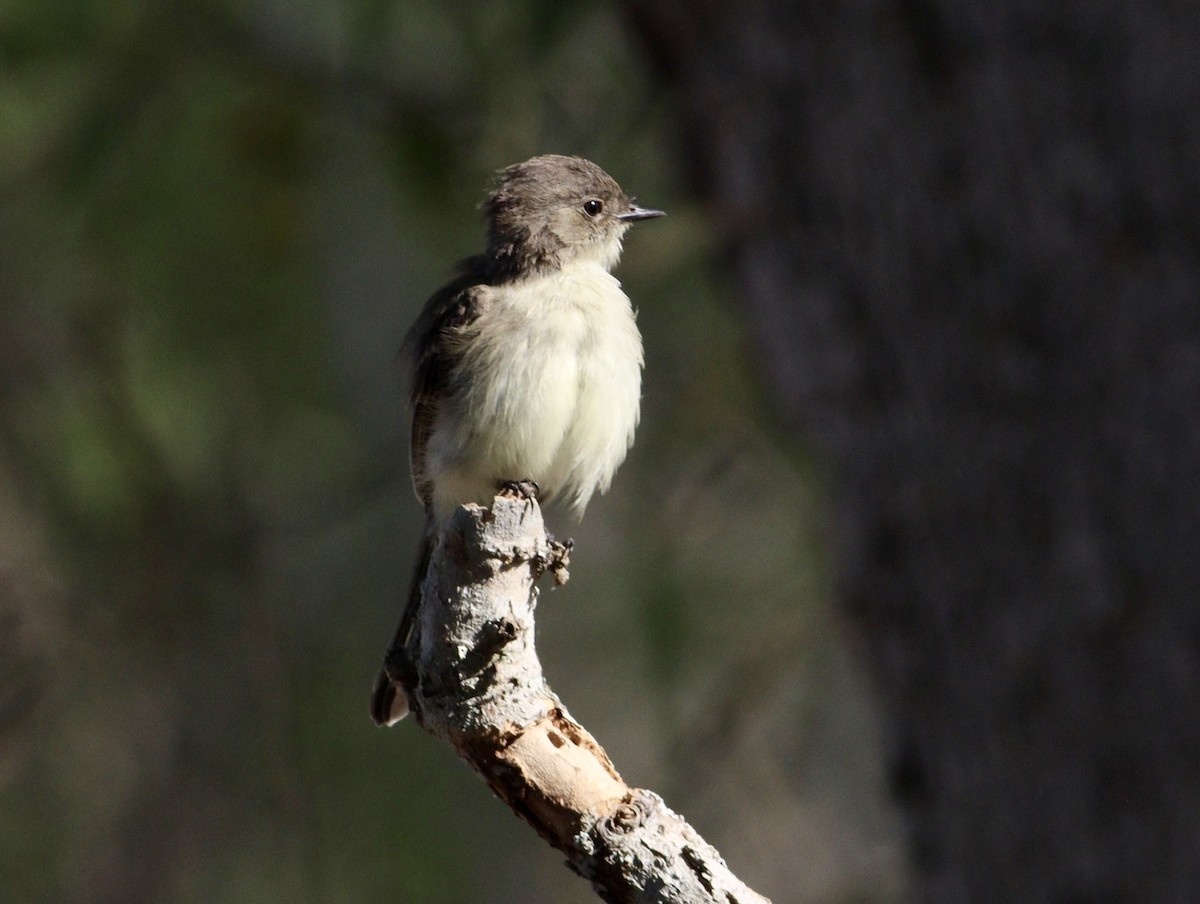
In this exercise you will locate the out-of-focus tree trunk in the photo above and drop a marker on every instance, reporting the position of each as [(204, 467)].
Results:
[(966, 236)]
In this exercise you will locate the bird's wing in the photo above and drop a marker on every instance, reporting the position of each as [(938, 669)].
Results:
[(451, 310)]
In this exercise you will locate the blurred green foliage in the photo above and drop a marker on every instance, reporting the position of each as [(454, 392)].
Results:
[(216, 221)]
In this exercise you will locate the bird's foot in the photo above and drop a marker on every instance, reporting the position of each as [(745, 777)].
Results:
[(519, 489), (522, 490)]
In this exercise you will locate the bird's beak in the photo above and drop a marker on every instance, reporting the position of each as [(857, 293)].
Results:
[(639, 213)]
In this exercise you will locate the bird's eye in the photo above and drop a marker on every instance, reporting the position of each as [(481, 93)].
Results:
[(593, 207)]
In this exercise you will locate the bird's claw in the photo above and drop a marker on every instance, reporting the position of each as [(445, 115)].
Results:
[(519, 489)]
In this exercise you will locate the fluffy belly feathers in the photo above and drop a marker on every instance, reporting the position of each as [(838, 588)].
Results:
[(559, 403)]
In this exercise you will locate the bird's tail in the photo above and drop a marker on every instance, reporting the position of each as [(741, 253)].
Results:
[(389, 699)]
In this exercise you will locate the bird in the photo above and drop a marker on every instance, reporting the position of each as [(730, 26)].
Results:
[(527, 366)]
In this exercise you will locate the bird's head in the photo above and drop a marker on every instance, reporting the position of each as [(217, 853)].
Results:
[(553, 210)]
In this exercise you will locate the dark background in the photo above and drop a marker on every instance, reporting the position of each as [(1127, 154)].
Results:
[(896, 595)]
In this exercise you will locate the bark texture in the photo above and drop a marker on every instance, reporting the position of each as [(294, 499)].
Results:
[(477, 684), (966, 236)]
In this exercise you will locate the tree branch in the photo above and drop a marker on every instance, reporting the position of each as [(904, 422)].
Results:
[(479, 686)]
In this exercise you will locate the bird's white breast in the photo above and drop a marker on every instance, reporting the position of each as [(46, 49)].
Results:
[(555, 364)]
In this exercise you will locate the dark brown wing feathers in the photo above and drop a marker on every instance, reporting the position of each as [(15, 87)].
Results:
[(450, 309)]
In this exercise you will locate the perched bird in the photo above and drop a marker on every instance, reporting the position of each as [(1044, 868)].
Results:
[(528, 365)]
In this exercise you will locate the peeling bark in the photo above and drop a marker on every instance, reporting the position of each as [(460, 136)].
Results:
[(479, 686)]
